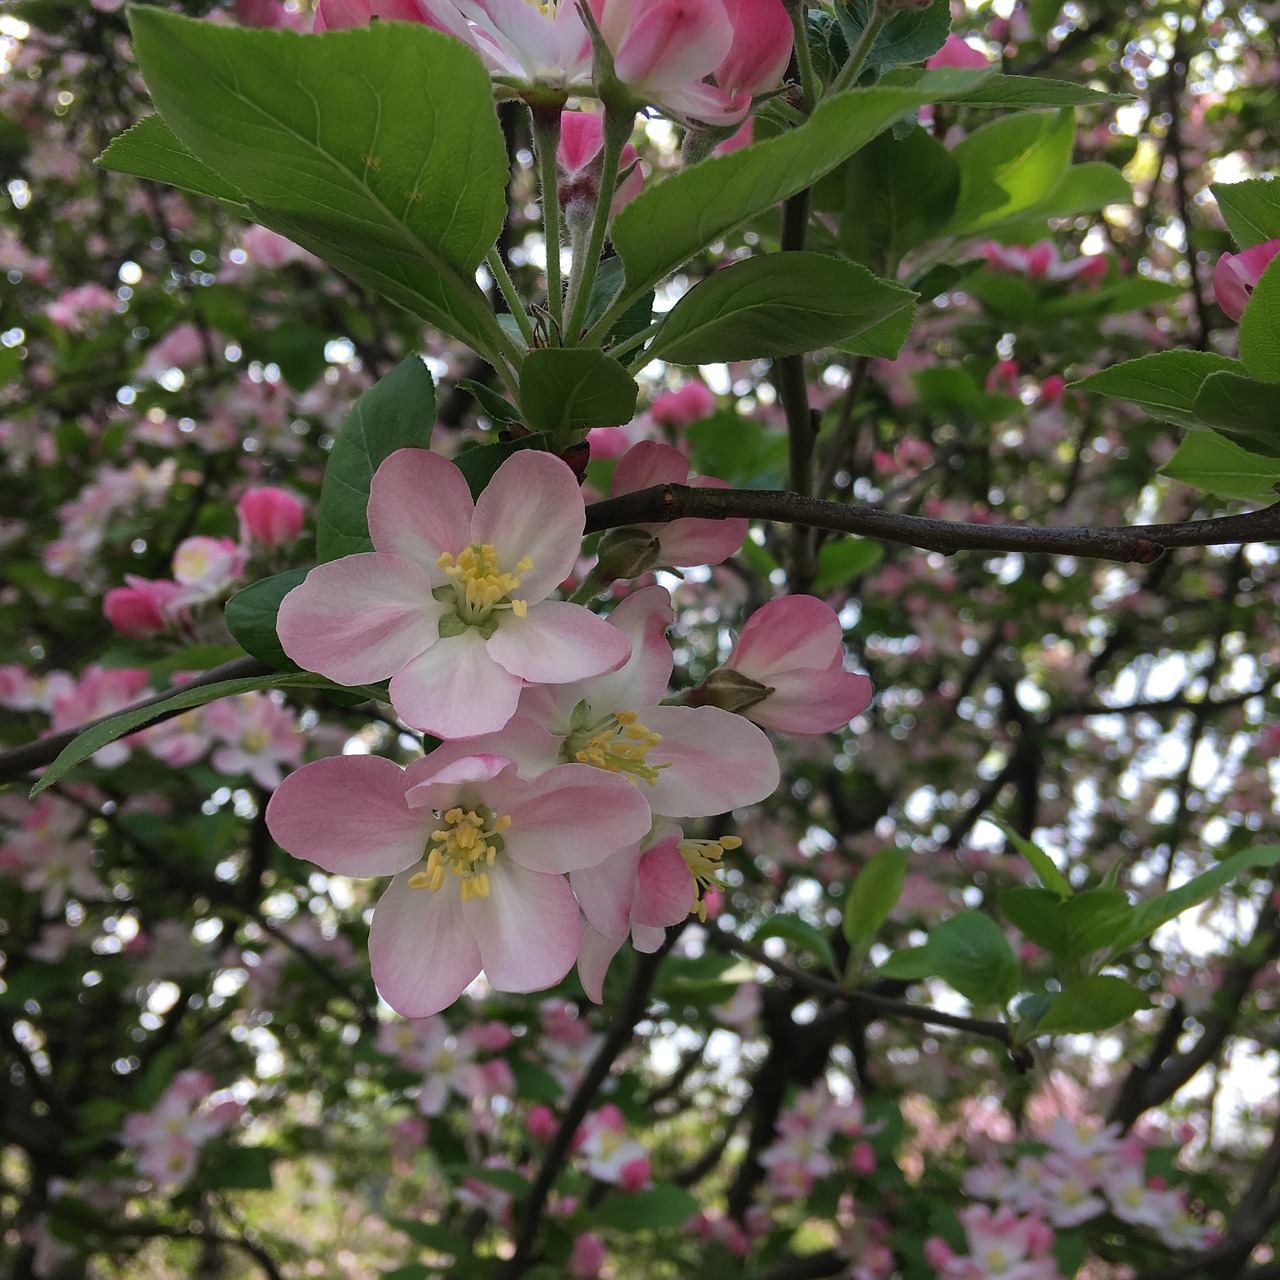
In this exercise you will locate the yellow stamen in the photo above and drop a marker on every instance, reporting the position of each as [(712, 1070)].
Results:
[(619, 744), (704, 860), (469, 842), (481, 584)]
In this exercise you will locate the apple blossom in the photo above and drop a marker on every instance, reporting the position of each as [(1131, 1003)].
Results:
[(452, 603), (958, 52), (270, 516), (478, 855), (142, 607), (687, 404), (578, 160), (1236, 275)]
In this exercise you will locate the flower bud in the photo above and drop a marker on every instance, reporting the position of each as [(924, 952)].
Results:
[(729, 690), (138, 609), (1236, 275), (627, 553), (270, 516)]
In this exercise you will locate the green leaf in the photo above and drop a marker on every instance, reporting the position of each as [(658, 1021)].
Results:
[(377, 148), (564, 388), (801, 934), (1025, 92), (872, 895), (663, 1205), (1215, 464), (885, 339), (1072, 930), (911, 35), (479, 464), (970, 953), (670, 221), (1245, 409), (1084, 188), (1251, 209), (840, 560), (1164, 384), (898, 193), (778, 304), (238, 1169), (1009, 165), (1091, 1004), (1150, 915), (496, 406), (911, 964), (1260, 327), (149, 150), (397, 412), (433, 1235), (252, 613), (508, 1180), (1045, 868), (412, 1271)]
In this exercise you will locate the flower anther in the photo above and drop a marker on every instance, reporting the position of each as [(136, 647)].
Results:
[(480, 585), (704, 858), (617, 743), (467, 846)]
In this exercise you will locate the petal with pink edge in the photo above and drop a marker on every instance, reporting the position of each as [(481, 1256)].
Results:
[(648, 463), (573, 816), (785, 634), (421, 951), (359, 619), (557, 642), (716, 762), (605, 892), (643, 617), (455, 689), (420, 507), (812, 701), (594, 956), (528, 928), (664, 887), (348, 814), (532, 507)]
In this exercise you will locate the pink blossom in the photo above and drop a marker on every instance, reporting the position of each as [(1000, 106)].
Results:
[(142, 607), (541, 1124), (690, 403), (206, 569), (578, 161), (739, 139), (958, 53), (478, 855), (681, 543), (1043, 261), (78, 310), (181, 348), (761, 48), (269, 13), (1002, 377), (609, 1154), (793, 649), (1052, 391), (270, 516), (258, 735), (332, 15), (1237, 274), (435, 605), (100, 692), (587, 1256)]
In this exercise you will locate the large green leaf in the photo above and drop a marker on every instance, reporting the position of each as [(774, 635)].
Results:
[(376, 148), (1009, 165), (1084, 188), (1025, 92), (1250, 209), (664, 226), (1164, 384), (778, 304), (1260, 327), (149, 150), (397, 412), (1091, 1004), (872, 895), (1246, 409), (1215, 464), (251, 617), (656, 1207), (967, 951), (576, 387)]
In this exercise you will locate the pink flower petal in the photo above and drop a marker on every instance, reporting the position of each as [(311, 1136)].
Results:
[(422, 952), (532, 507), (594, 956), (606, 891), (528, 928), (691, 541), (455, 689), (664, 887), (359, 619), (643, 617), (809, 701), (573, 816), (557, 642), (419, 507), (348, 814), (646, 464), (716, 761), (786, 634)]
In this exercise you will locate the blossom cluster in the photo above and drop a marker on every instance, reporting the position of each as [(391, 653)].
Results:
[(544, 829), (166, 1140)]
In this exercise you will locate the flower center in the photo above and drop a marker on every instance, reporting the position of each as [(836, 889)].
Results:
[(704, 858), (479, 586), (466, 845), (254, 741), (617, 743)]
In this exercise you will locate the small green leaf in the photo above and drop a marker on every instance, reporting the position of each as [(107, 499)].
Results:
[(397, 412), (1091, 1004), (1075, 931), (578, 387), (252, 614), (657, 1207), (508, 1180), (872, 895), (1164, 384), (910, 35), (840, 560), (1245, 409), (1215, 464), (800, 933), (775, 305), (1026, 92), (238, 1169), (479, 464), (1260, 327), (1045, 868), (433, 1235), (1251, 209), (970, 953)]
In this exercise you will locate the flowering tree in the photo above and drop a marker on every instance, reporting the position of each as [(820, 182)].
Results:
[(639, 637)]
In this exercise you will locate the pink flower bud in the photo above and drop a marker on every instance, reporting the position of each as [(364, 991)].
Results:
[(541, 1124), (1236, 275), (332, 15), (1003, 378), (578, 160), (761, 48), (138, 609), (493, 1036), (270, 516), (958, 53), (587, 1258), (740, 139), (634, 1175), (1052, 389), (691, 403), (863, 1159)]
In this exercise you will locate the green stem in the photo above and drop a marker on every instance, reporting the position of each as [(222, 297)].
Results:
[(804, 60), (617, 130), (498, 269), (861, 51), (546, 141), (590, 587)]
